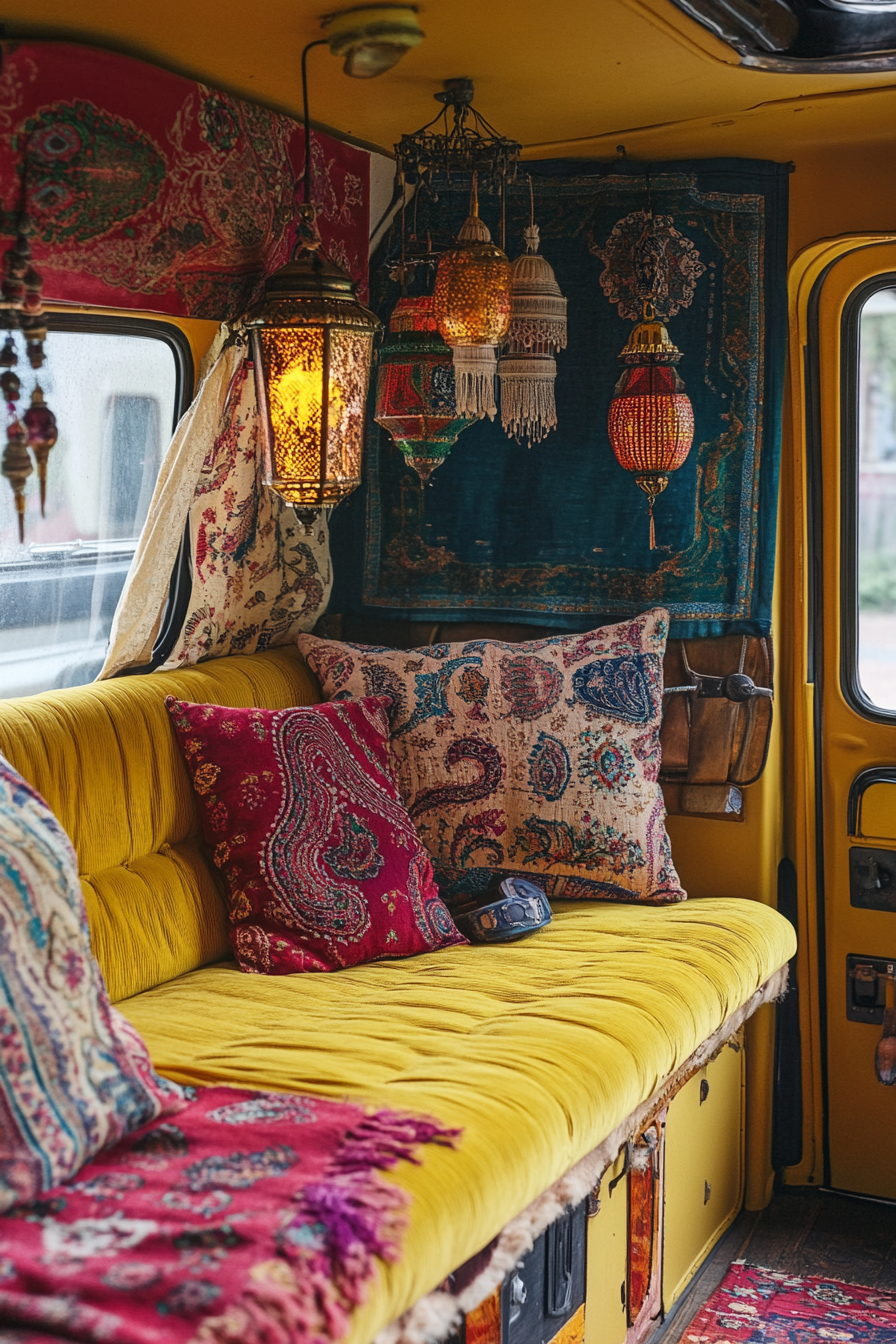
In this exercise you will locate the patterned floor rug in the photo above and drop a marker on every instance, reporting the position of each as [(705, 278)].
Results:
[(765, 1307)]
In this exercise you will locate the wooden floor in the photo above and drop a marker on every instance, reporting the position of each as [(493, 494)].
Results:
[(803, 1231)]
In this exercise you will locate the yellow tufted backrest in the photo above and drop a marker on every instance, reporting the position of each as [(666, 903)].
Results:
[(105, 758)]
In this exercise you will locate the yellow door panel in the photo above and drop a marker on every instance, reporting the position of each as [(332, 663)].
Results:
[(849, 477), (605, 1315), (704, 1167)]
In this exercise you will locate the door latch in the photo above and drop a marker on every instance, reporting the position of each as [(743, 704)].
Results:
[(866, 988), (872, 878)]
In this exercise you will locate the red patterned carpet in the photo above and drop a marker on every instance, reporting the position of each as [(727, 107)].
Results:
[(763, 1306)]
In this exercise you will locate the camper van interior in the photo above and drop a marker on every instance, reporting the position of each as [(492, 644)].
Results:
[(448, 672)]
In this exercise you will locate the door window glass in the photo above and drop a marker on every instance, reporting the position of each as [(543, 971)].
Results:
[(114, 397), (876, 514)]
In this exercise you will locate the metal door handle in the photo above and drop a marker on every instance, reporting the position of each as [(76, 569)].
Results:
[(878, 774)]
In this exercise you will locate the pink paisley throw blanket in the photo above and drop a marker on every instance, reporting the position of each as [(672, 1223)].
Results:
[(248, 1217)]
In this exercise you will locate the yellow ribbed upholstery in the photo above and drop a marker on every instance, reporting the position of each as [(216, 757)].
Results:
[(537, 1050), (105, 758)]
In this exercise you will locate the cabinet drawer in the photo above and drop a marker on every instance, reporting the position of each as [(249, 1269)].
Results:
[(704, 1166)]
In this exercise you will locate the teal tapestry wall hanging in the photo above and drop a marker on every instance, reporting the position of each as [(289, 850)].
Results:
[(559, 534)]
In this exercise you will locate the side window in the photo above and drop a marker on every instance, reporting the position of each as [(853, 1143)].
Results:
[(116, 394), (875, 513)]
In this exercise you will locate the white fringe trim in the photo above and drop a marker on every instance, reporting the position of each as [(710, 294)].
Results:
[(528, 408), (474, 381), (435, 1316)]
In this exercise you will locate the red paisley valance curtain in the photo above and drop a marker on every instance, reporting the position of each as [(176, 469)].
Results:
[(150, 191)]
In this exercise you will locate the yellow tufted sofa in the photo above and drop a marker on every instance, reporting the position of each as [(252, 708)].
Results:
[(538, 1051)]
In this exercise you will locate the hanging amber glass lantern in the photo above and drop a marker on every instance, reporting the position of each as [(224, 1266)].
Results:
[(40, 423), (415, 388), (651, 420), (472, 310), (313, 346)]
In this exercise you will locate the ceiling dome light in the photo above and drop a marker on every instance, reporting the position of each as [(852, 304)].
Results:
[(372, 38)]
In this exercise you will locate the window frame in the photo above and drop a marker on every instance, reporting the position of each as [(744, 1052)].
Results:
[(160, 329), (850, 354), (85, 322), (107, 324)]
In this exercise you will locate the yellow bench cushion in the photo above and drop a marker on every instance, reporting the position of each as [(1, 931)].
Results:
[(105, 758), (538, 1050)]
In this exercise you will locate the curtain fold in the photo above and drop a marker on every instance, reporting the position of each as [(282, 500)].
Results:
[(257, 580)]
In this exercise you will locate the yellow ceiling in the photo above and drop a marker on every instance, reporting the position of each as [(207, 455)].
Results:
[(573, 76)]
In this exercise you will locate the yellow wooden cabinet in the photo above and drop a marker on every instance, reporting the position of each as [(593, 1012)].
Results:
[(703, 1167), (607, 1262)]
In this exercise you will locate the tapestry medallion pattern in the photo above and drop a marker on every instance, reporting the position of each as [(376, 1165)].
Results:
[(559, 534), (150, 191)]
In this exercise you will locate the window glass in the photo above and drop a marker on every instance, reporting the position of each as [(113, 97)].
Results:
[(114, 400), (877, 499)]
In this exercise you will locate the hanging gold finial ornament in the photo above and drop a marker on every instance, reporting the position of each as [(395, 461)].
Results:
[(528, 369), (22, 290), (40, 422), (651, 419), (16, 466), (471, 305)]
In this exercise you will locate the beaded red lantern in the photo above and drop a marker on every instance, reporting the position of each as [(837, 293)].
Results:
[(415, 398), (651, 419)]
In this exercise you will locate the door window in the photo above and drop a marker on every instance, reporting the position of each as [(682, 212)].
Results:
[(876, 499), (116, 395)]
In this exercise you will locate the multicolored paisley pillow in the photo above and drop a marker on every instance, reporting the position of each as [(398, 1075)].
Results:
[(538, 758), (75, 1076), (323, 866)]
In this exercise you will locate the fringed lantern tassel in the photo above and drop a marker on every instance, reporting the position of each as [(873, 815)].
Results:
[(537, 330), (474, 380), (528, 408)]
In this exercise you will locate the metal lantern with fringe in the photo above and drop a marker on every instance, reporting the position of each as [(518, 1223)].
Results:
[(313, 346), (651, 419), (415, 388), (528, 369), (472, 310)]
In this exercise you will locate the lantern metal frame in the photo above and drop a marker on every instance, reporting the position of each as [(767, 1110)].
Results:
[(468, 145), (306, 294), (310, 293)]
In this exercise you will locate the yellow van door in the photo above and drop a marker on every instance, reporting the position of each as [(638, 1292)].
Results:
[(850, 376)]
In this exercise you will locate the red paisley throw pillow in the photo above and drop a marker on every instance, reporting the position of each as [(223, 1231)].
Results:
[(323, 865)]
